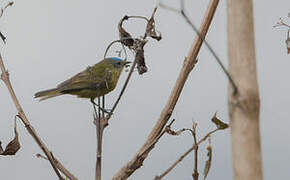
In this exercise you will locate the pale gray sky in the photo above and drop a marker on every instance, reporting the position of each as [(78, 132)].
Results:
[(49, 41)]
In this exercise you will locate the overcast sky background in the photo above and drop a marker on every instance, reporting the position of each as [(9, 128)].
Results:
[(49, 41)]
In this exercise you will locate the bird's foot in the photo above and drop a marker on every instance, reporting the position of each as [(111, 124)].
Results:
[(107, 111)]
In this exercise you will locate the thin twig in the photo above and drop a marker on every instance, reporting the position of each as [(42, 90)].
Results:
[(185, 16), (139, 17), (1, 14), (99, 130), (59, 166), (164, 6), (99, 119), (5, 7), (121, 93), (184, 155), (102, 121), (281, 23), (136, 49), (150, 146), (22, 116), (207, 135), (195, 171), (188, 65), (119, 41), (174, 164)]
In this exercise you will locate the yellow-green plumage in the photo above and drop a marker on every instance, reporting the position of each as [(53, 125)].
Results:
[(93, 82)]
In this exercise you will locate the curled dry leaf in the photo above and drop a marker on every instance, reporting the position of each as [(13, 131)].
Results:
[(219, 124), (13, 146), (125, 37), (141, 66), (208, 161), (150, 28)]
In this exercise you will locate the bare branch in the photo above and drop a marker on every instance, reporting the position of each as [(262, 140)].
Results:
[(184, 155), (188, 65), (207, 136), (195, 171), (164, 6), (137, 45), (22, 116), (150, 146), (121, 93), (185, 16), (174, 164), (60, 167)]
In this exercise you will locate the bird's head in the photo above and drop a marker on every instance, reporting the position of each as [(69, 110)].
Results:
[(117, 62)]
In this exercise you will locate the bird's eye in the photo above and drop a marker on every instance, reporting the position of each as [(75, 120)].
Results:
[(117, 64)]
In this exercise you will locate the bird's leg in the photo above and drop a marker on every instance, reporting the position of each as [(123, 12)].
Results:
[(99, 107), (104, 110), (103, 105), (94, 106)]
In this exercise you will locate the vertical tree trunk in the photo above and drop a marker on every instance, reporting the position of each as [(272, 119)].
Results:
[(245, 105)]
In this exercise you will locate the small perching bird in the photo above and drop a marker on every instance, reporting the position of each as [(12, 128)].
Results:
[(91, 83)]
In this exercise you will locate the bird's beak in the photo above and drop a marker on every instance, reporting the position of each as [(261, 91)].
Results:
[(127, 62)]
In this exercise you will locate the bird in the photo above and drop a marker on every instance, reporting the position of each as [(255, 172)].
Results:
[(95, 81)]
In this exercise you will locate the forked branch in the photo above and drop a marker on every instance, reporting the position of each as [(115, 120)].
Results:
[(189, 63)]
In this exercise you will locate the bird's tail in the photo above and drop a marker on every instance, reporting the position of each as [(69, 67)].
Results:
[(50, 93)]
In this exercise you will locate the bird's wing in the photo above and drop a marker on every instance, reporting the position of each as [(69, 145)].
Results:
[(87, 79)]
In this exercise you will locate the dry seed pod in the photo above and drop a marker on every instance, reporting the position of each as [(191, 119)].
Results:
[(150, 28), (141, 66), (208, 161), (125, 37)]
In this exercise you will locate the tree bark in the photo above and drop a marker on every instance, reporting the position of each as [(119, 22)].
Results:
[(244, 106)]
